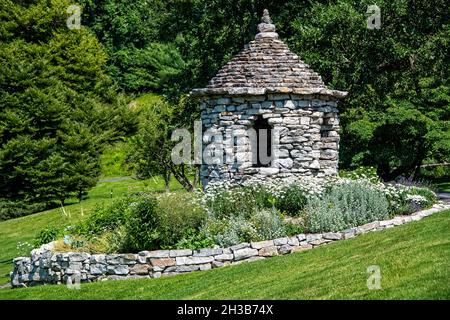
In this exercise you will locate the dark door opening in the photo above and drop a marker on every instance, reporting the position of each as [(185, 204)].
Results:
[(263, 142)]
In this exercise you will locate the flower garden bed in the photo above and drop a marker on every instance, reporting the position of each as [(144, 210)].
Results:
[(47, 267), (147, 235)]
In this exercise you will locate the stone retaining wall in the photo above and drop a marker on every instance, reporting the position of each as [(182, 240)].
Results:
[(47, 267)]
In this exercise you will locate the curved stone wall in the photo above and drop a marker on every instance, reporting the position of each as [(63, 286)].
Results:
[(47, 267)]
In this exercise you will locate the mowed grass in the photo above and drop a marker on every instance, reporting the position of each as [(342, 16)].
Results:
[(444, 186), (414, 260), (25, 229)]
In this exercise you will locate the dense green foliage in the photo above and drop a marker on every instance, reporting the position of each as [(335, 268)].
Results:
[(143, 221), (135, 223), (139, 58), (397, 114), (17, 235), (58, 106), (259, 225), (414, 261), (152, 146)]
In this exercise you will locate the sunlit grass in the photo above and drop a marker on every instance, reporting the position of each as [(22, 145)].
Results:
[(24, 229)]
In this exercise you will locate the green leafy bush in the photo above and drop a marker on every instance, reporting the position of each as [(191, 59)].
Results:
[(163, 223), (369, 173), (430, 196), (46, 235), (292, 229), (230, 231), (178, 216), (10, 209), (105, 218), (292, 200), (193, 239), (346, 205), (413, 199), (405, 200), (141, 232)]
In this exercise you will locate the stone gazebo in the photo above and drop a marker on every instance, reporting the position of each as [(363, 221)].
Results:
[(268, 87)]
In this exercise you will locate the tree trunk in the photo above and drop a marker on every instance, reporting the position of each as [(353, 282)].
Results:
[(196, 176), (166, 176), (178, 173)]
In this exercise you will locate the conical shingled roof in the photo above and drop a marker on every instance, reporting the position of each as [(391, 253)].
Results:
[(266, 65)]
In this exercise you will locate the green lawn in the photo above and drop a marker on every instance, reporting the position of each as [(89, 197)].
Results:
[(444, 186), (414, 261), (25, 229)]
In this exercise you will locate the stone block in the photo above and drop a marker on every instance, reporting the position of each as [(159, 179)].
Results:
[(262, 244), (240, 246), (208, 252), (224, 257), (162, 262), (293, 241), (280, 241), (332, 236), (193, 260), (245, 253), (268, 251), (158, 254), (140, 269), (180, 253)]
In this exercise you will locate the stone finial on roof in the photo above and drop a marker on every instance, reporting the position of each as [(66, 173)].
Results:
[(266, 17), (266, 28), (266, 65)]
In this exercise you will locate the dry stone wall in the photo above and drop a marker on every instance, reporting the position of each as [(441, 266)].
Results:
[(47, 267), (305, 131)]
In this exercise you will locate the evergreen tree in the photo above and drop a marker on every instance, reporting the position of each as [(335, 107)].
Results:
[(57, 108)]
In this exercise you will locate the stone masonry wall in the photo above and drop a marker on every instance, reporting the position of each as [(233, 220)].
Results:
[(307, 125), (47, 267)]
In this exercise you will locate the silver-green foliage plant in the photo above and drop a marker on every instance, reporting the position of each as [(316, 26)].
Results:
[(268, 224), (346, 205), (261, 225), (230, 231)]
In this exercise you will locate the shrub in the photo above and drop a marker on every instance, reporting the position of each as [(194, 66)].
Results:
[(164, 222), (141, 231), (178, 216), (292, 229), (291, 200), (105, 218), (243, 200), (410, 199), (346, 205), (268, 224), (366, 173), (429, 197), (230, 231), (262, 225), (287, 195), (46, 235), (194, 239), (10, 209)]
